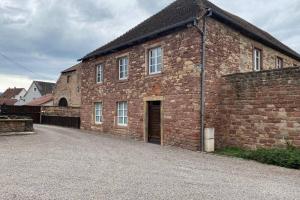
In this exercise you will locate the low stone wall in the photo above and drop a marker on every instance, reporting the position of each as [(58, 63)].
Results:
[(15, 125), (61, 111), (260, 109)]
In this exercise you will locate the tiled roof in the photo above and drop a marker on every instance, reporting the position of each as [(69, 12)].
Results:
[(44, 87), (40, 101), (11, 92), (71, 69), (7, 101), (178, 15)]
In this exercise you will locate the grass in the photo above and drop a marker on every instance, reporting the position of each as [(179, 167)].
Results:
[(289, 158)]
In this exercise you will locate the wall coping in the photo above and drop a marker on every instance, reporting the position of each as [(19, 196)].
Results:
[(264, 71), (15, 120)]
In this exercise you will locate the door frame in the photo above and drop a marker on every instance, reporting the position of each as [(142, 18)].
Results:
[(146, 116)]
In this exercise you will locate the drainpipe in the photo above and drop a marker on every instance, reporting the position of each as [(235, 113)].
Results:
[(202, 31)]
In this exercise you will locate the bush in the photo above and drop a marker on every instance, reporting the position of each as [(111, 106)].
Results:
[(289, 158)]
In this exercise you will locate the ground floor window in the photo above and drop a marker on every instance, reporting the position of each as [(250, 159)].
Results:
[(122, 113), (98, 113)]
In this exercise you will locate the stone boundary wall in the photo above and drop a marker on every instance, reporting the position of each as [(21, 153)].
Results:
[(60, 111), (15, 125), (260, 109)]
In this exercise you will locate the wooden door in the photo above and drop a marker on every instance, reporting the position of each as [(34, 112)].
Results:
[(154, 122)]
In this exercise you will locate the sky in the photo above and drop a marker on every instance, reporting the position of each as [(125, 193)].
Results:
[(41, 38)]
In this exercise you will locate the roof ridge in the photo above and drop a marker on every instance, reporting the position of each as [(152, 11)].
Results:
[(174, 17), (134, 27)]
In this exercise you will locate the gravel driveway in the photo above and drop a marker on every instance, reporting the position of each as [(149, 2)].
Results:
[(60, 163)]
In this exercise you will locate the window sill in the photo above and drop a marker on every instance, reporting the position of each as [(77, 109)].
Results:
[(119, 126), (123, 80), (98, 123), (154, 75)]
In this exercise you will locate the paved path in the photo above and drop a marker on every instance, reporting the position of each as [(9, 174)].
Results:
[(59, 163)]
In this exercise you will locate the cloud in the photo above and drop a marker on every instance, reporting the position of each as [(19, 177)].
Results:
[(8, 80), (47, 36)]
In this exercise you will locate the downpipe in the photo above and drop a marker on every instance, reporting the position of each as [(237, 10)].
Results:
[(202, 32)]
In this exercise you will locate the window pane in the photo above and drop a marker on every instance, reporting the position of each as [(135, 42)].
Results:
[(158, 52), (159, 68), (126, 71), (121, 74), (120, 120)]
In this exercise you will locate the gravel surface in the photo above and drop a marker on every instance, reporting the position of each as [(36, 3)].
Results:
[(60, 163)]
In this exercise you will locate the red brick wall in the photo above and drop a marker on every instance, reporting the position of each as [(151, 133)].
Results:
[(228, 52), (178, 85), (260, 109)]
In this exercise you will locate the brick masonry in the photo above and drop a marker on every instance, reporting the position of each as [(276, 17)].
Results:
[(70, 90), (228, 52), (177, 86), (260, 109), (16, 125), (60, 111)]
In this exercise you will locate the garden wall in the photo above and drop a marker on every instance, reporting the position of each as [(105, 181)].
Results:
[(61, 111), (15, 125), (260, 109)]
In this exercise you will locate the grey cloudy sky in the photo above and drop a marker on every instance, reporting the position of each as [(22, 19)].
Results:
[(47, 36)]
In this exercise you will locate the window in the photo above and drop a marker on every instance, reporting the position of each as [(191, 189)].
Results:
[(279, 63), (257, 59), (155, 60), (122, 113), (99, 74), (123, 68), (98, 113), (34, 89), (68, 78)]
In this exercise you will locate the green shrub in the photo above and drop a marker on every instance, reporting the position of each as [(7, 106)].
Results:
[(289, 158)]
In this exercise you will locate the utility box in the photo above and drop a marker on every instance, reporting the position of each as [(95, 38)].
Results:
[(209, 140)]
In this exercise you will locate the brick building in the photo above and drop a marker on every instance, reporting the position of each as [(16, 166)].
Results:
[(68, 88), (146, 83)]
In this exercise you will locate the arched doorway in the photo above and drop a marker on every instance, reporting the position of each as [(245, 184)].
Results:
[(63, 102)]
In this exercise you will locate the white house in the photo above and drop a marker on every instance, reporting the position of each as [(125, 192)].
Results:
[(36, 90)]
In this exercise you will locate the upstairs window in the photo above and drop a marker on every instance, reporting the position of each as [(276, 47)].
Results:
[(257, 59), (279, 63), (122, 113), (123, 68), (98, 113), (99, 73), (68, 78), (155, 60)]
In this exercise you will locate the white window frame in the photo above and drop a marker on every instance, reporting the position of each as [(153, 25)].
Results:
[(279, 62), (122, 116), (98, 113), (155, 57), (99, 73), (257, 62), (123, 68)]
